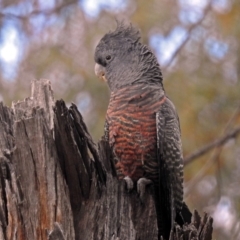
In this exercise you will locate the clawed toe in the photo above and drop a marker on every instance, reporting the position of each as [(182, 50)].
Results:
[(129, 183), (141, 187)]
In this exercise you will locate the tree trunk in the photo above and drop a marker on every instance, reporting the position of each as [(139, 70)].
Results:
[(56, 183)]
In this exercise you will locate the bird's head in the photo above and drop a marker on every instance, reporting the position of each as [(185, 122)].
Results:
[(121, 59)]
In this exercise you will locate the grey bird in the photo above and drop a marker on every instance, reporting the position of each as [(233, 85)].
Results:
[(142, 124)]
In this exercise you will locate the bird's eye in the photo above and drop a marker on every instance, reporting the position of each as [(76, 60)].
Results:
[(108, 57)]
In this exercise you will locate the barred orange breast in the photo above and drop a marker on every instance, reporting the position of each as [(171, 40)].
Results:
[(131, 118)]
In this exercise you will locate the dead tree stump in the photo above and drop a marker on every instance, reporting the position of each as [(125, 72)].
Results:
[(57, 184)]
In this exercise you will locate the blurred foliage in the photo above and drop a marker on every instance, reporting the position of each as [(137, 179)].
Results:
[(57, 41)]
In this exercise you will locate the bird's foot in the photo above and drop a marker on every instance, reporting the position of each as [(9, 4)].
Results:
[(141, 187), (129, 183)]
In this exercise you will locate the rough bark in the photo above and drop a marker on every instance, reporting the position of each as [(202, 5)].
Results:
[(56, 183)]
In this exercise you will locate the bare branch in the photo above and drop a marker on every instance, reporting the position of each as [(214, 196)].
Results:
[(46, 12), (214, 157), (218, 142), (189, 31)]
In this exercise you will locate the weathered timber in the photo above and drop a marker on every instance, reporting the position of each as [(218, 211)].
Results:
[(56, 183), (34, 194)]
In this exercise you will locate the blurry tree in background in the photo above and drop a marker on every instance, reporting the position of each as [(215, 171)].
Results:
[(198, 46)]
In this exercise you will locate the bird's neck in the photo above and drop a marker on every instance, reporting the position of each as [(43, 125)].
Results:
[(148, 66), (137, 93), (147, 81)]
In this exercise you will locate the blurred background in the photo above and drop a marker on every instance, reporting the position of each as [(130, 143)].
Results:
[(197, 43)]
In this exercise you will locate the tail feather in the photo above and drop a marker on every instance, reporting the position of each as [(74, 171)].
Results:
[(164, 214), (184, 216)]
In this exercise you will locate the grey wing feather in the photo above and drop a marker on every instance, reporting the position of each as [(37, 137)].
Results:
[(106, 131), (170, 158)]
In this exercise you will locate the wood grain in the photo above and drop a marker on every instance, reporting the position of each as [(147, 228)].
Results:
[(57, 184)]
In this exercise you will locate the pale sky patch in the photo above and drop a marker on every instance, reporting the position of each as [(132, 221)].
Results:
[(9, 49)]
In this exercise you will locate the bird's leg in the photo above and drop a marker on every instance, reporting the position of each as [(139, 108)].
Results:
[(129, 183), (141, 187)]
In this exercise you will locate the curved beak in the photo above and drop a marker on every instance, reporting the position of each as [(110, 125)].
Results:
[(100, 71)]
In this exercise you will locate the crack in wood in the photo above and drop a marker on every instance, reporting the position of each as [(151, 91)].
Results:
[(78, 195)]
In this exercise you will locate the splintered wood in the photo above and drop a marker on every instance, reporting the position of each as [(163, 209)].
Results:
[(57, 184)]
